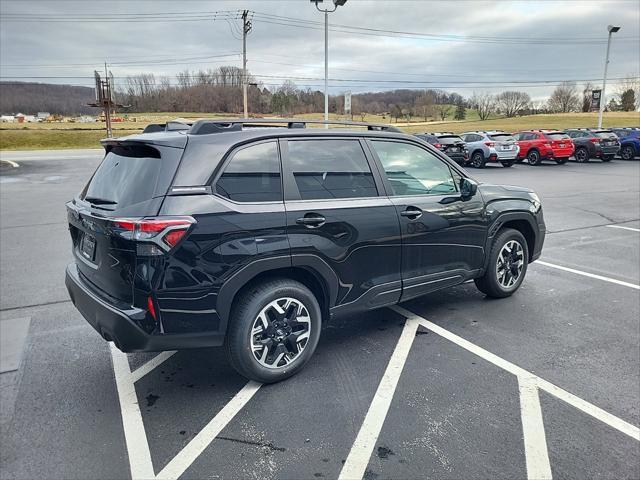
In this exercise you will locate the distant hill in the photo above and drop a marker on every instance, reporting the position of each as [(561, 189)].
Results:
[(29, 98)]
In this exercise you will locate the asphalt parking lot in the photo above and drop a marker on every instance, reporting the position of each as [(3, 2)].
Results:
[(452, 385)]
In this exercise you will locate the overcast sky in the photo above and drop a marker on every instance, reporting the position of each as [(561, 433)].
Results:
[(463, 46)]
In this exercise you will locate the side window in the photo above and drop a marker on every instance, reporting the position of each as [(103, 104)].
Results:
[(252, 175), (330, 169), (412, 170)]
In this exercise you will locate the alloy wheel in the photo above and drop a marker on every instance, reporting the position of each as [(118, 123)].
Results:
[(477, 161), (510, 263), (280, 332), (581, 155), (627, 153)]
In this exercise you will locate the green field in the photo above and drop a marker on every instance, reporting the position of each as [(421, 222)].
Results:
[(36, 136)]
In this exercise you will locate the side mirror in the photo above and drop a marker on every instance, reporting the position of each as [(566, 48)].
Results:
[(468, 188)]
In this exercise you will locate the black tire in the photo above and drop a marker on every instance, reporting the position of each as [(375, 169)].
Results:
[(533, 157), (607, 158), (489, 284), (478, 160), (581, 155), (519, 160), (246, 311), (561, 161), (627, 152), (507, 164)]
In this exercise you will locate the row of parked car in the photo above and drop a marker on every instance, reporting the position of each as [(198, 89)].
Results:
[(476, 149)]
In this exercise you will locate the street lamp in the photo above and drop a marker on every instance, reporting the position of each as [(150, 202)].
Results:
[(612, 30), (336, 4)]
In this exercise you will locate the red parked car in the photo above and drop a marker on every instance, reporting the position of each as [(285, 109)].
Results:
[(539, 145)]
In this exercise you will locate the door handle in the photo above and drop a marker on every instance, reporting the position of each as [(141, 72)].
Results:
[(311, 220), (411, 212)]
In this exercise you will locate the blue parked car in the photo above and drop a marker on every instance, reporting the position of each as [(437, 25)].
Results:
[(629, 142)]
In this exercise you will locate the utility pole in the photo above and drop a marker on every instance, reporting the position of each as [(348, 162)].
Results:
[(105, 97), (246, 28), (612, 30)]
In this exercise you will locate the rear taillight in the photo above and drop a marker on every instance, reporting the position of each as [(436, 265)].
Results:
[(437, 145), (151, 308), (164, 232), (594, 140), (490, 144)]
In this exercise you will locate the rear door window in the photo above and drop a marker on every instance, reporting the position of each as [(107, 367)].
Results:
[(325, 169), (252, 175), (127, 176)]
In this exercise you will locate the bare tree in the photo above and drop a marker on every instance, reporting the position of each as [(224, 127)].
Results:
[(443, 110), (564, 98), (424, 104), (587, 90), (512, 103), (484, 103)]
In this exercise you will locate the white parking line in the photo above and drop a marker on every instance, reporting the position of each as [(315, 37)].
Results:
[(535, 440), (134, 433), (179, 464), (150, 365), (624, 228), (360, 452), (577, 402), (587, 274)]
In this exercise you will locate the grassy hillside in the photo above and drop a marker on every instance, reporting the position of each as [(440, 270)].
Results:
[(87, 135)]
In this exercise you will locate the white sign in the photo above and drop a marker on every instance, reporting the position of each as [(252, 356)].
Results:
[(347, 103)]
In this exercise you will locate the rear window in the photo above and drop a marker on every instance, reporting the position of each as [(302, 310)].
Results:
[(557, 136), (127, 175), (502, 137), (604, 134), (432, 139), (449, 139)]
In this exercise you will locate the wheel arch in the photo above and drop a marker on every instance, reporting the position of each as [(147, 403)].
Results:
[(319, 282), (521, 221)]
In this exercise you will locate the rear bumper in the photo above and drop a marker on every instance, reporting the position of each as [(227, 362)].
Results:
[(607, 151), (119, 325)]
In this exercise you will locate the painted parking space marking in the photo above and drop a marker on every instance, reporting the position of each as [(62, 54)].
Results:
[(534, 437), (136, 441), (358, 458), (535, 440), (624, 228), (587, 274)]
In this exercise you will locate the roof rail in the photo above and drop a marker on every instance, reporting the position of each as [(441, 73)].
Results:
[(204, 127)]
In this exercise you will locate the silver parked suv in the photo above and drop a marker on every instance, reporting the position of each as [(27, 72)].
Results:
[(493, 146)]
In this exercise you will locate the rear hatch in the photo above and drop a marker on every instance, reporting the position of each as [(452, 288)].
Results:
[(504, 142), (607, 138), (452, 144), (129, 184), (558, 140)]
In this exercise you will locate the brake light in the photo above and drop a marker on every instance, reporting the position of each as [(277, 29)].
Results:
[(594, 140), (165, 232), (437, 145), (490, 144), (151, 308)]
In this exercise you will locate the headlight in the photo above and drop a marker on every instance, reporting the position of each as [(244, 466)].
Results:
[(535, 200)]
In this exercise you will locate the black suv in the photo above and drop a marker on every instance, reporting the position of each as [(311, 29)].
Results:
[(593, 143), (449, 143), (227, 233)]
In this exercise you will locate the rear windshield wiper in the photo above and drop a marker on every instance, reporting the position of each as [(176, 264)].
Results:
[(99, 201)]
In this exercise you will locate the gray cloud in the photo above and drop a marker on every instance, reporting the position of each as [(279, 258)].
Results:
[(286, 51)]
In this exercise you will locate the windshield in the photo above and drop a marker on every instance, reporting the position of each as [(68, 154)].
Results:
[(126, 176), (557, 136), (502, 137)]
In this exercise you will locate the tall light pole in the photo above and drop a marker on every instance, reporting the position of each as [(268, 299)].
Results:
[(612, 30), (336, 4)]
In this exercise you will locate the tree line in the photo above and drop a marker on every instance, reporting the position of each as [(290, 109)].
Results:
[(218, 90)]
